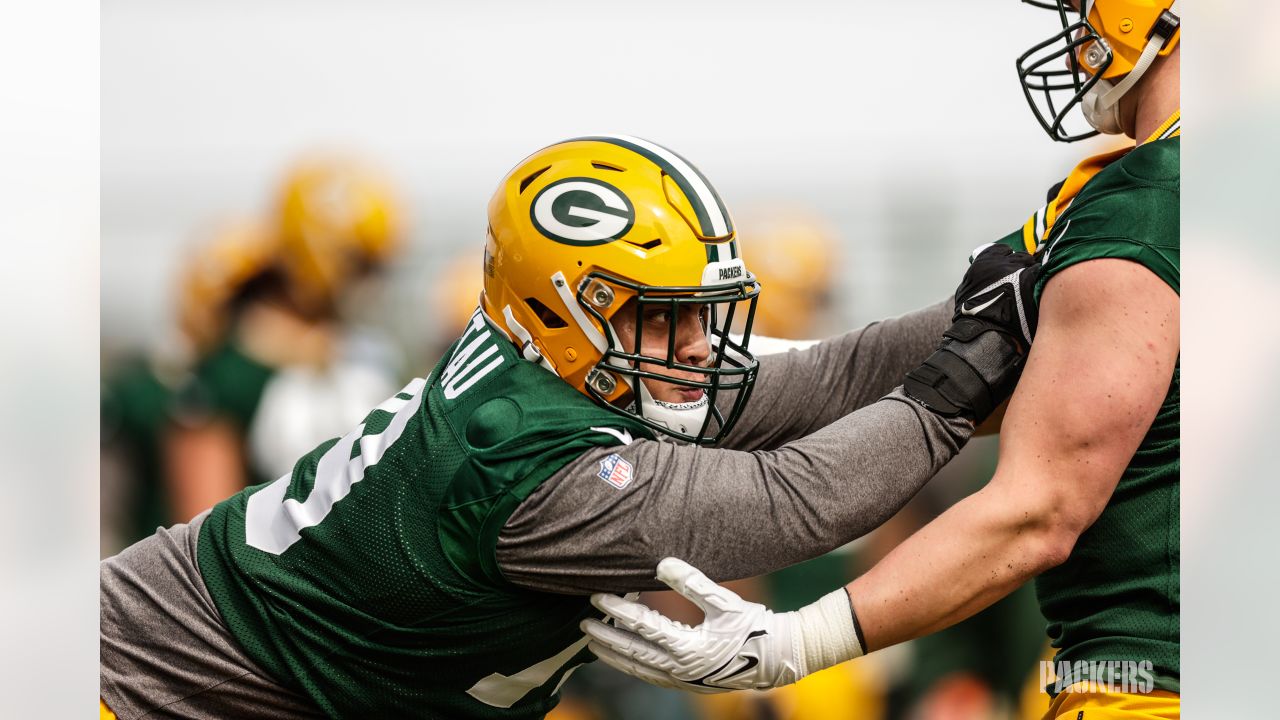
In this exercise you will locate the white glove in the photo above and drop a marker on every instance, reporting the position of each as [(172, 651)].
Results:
[(740, 645)]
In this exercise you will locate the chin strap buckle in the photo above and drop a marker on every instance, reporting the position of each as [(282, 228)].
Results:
[(1165, 27)]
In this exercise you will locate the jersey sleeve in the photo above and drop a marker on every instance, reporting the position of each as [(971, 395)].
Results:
[(513, 436), (227, 384), (800, 391), (593, 528), (1154, 259), (1130, 211), (1017, 240), (534, 473)]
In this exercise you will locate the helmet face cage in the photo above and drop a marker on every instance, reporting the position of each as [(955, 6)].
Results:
[(1050, 73), (730, 367)]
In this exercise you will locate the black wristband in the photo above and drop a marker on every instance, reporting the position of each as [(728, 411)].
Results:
[(969, 375), (857, 626)]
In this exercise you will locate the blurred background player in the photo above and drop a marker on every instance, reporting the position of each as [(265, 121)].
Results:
[(138, 394), (289, 367), (452, 298), (269, 354), (797, 252)]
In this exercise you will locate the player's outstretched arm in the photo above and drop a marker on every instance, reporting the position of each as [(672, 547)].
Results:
[(1100, 368), (851, 371), (590, 528), (204, 466)]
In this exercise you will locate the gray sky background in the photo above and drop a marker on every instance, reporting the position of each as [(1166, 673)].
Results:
[(901, 124)]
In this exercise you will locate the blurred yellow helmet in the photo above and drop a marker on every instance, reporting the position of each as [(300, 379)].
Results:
[(455, 292), (1097, 57), (581, 228), (214, 273), (338, 219), (793, 255)]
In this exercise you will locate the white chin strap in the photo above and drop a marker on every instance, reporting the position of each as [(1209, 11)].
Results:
[(686, 418), (1101, 104)]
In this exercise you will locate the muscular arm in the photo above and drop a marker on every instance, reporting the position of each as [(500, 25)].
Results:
[(799, 391), (733, 513), (1094, 381)]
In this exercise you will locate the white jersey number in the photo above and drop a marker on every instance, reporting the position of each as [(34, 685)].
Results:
[(504, 691), (272, 523)]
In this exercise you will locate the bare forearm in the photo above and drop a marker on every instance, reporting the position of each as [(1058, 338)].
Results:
[(1096, 376), (972, 555), (204, 466)]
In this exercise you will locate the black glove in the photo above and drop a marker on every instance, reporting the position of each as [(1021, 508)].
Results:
[(998, 291), (981, 355)]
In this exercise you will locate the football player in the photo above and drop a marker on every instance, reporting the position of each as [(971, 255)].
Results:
[(280, 368), (1085, 496), (436, 560), (138, 396)]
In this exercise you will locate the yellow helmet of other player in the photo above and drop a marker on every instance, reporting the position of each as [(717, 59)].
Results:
[(454, 293), (338, 220), (581, 229), (1097, 57), (212, 276), (792, 254)]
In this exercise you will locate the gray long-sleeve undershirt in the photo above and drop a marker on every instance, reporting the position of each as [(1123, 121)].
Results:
[(815, 462)]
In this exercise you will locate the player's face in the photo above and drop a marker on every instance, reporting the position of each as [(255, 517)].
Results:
[(691, 345)]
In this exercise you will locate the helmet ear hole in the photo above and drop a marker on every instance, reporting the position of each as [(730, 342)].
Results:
[(545, 315)]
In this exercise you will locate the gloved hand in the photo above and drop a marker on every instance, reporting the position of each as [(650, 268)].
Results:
[(998, 290), (981, 356), (740, 645)]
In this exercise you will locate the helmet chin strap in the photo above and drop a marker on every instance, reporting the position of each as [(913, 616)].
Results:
[(686, 418), (1101, 104)]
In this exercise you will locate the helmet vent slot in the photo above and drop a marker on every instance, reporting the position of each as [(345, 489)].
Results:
[(649, 245), (546, 315), (532, 176), (606, 166)]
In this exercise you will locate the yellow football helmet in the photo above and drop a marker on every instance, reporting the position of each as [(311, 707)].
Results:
[(337, 221), (581, 228), (1097, 57), (212, 276)]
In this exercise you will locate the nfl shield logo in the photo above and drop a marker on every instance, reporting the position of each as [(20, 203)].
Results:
[(615, 471)]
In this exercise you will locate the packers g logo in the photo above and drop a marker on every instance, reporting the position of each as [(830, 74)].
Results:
[(582, 211)]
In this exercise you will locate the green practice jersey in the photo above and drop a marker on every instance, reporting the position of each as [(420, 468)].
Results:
[(135, 411), (367, 578), (1117, 596), (227, 383)]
